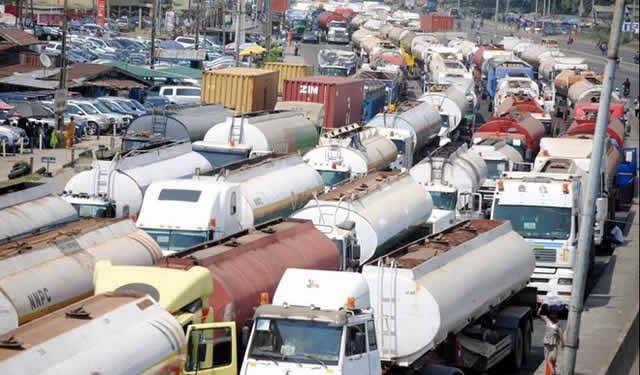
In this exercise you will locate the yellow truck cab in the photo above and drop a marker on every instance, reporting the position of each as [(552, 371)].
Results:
[(210, 347)]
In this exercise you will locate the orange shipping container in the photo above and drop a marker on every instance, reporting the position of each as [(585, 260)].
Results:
[(245, 90), (288, 71), (432, 23)]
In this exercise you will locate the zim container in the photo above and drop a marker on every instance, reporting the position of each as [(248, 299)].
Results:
[(245, 90), (342, 97)]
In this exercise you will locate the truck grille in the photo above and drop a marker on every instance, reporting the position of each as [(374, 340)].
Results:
[(545, 255)]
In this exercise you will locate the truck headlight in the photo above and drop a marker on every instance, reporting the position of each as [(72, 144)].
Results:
[(565, 281)]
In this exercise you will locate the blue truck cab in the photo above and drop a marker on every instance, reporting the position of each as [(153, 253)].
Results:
[(501, 66)]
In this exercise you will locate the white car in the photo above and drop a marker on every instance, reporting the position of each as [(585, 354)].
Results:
[(180, 94)]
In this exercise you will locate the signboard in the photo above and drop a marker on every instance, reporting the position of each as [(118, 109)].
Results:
[(101, 12), (48, 159), (633, 27), (60, 100)]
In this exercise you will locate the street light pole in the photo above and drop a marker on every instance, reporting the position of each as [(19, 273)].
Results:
[(62, 84), (585, 234), (238, 21), (269, 30), (154, 8), (497, 7)]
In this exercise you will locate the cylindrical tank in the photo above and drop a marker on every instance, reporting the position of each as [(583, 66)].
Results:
[(422, 121), (428, 309), (360, 154), (452, 102), (189, 124), (34, 215), (38, 281), (366, 203), (313, 112), (384, 30), (371, 44), (551, 64), (395, 35), (615, 129), (523, 123), (464, 169), (406, 41), (533, 53), (360, 35), (280, 132), (581, 89), (466, 47), (327, 17), (62, 343), (566, 78), (124, 179), (252, 262), (373, 25), (359, 20)]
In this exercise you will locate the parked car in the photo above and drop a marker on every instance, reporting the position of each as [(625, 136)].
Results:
[(152, 102), (180, 94), (47, 33), (95, 120), (310, 37)]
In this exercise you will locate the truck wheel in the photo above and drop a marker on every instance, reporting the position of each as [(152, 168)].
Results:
[(526, 350), (516, 357)]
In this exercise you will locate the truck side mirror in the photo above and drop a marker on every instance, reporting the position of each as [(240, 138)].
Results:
[(202, 351), (356, 252), (601, 209), (245, 335)]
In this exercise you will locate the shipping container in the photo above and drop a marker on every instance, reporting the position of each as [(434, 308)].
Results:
[(245, 90), (431, 23), (288, 71), (342, 97)]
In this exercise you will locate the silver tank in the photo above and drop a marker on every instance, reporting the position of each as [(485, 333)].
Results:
[(422, 121)]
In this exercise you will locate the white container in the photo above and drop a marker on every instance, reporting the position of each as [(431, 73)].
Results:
[(123, 181), (39, 281), (389, 206), (422, 121), (442, 294), (451, 103), (125, 335)]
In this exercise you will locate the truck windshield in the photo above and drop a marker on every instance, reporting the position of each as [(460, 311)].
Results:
[(131, 143), (495, 168), (536, 222), (443, 200), (334, 71), (340, 25), (177, 240), (300, 340), (94, 210), (332, 178)]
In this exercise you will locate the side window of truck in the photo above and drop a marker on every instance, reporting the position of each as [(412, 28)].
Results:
[(371, 335), (356, 340), (233, 208), (218, 346)]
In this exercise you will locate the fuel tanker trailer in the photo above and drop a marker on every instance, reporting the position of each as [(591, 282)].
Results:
[(521, 131), (452, 105), (114, 188), (242, 137), (440, 301), (412, 127), (366, 217), (179, 214), (583, 90), (349, 152), (566, 78), (51, 270)]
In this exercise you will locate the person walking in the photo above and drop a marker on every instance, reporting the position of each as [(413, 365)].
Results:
[(552, 340), (636, 103), (70, 133)]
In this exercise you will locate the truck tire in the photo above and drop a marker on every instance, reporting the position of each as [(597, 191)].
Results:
[(516, 358), (526, 352)]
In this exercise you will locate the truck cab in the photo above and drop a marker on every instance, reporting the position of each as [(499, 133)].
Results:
[(307, 329), (211, 347), (338, 32), (404, 143)]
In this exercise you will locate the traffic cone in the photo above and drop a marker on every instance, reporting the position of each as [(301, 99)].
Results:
[(547, 369)]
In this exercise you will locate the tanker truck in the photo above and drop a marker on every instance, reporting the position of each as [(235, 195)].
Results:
[(179, 214), (368, 216), (412, 127), (220, 283), (188, 123), (499, 158), (520, 130), (438, 302), (452, 106), (334, 26), (114, 188), (335, 62), (51, 270), (247, 136), (349, 152), (452, 175), (523, 95), (22, 213)]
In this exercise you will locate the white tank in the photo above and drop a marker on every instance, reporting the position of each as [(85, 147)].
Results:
[(373, 25), (279, 132), (422, 121), (33, 216), (61, 272), (122, 181), (581, 89), (126, 334), (313, 112), (260, 189), (533, 54), (510, 42), (452, 103), (371, 45), (436, 290), (463, 169), (421, 46), (359, 35), (383, 205), (351, 151), (550, 66), (466, 47)]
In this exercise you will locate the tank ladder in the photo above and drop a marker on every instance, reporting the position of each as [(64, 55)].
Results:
[(235, 131), (103, 178), (159, 122), (387, 307)]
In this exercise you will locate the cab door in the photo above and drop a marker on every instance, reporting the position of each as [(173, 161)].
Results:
[(211, 349), (356, 356)]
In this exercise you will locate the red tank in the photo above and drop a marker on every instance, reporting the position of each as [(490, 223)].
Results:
[(326, 18), (521, 126), (253, 261), (519, 104), (615, 129), (347, 13), (581, 108)]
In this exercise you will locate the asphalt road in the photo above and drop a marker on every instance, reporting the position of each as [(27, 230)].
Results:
[(627, 69)]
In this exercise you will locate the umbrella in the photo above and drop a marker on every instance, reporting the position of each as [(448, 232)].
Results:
[(4, 106), (29, 109), (253, 50)]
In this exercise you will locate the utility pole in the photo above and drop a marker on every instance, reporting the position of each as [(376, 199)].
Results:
[(62, 84), (581, 8), (269, 30), (154, 8), (585, 234), (506, 7), (497, 7), (197, 23), (238, 21)]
